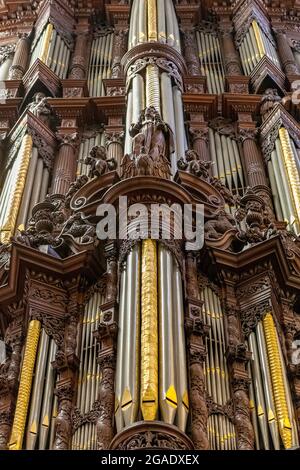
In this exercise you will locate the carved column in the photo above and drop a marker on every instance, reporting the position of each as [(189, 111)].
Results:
[(196, 333), (106, 336), (9, 374), (79, 60), (19, 65), (237, 82), (238, 357), (190, 52), (231, 57), (254, 167), (119, 49), (253, 159), (64, 172), (286, 54), (66, 364), (200, 142)]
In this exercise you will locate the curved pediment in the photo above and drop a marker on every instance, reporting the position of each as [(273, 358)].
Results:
[(186, 189)]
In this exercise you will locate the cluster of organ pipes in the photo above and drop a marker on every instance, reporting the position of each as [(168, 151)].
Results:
[(154, 20), (100, 63), (51, 49), (25, 183), (227, 164), (254, 46), (285, 180), (221, 431), (43, 403), (84, 437), (151, 375), (211, 63), (271, 404)]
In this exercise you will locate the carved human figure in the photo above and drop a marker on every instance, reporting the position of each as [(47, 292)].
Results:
[(152, 146), (194, 165), (41, 108), (99, 163)]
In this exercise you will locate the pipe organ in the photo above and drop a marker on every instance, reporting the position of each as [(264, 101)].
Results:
[(221, 430), (100, 62), (211, 63), (256, 44), (52, 49), (227, 164), (272, 409), (116, 334), (151, 377)]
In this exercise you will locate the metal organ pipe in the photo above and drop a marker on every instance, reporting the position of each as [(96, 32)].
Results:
[(89, 373), (100, 63), (211, 64), (220, 429)]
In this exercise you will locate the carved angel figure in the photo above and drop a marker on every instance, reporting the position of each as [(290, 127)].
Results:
[(194, 165), (152, 145), (99, 163), (41, 108)]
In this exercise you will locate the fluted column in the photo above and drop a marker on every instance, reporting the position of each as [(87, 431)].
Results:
[(200, 142), (78, 65), (255, 169), (285, 53), (253, 159), (231, 57), (18, 67), (64, 172)]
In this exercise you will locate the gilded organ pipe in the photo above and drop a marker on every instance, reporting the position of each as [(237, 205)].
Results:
[(276, 371), (149, 332)]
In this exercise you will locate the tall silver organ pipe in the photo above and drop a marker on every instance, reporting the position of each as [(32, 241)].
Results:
[(6, 61), (226, 160), (39, 423), (286, 205), (211, 64), (172, 369), (52, 49), (100, 63), (221, 430), (155, 21), (84, 437), (89, 140), (166, 28), (255, 45), (272, 411)]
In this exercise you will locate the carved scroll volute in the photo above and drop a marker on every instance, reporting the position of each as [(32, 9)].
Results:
[(9, 371), (196, 332), (106, 337)]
